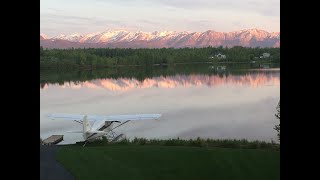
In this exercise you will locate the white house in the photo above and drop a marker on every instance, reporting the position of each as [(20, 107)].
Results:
[(265, 55), (221, 56)]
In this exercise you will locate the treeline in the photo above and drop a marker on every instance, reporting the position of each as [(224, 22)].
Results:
[(199, 142), (93, 58)]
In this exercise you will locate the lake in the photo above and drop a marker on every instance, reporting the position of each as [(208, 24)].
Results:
[(208, 105)]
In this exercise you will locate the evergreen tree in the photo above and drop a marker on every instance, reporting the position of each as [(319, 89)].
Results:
[(277, 127)]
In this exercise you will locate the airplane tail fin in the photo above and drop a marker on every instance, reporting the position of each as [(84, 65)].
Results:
[(86, 125)]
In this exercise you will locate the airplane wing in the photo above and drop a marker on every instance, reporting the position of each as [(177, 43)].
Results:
[(72, 117), (78, 117), (134, 117)]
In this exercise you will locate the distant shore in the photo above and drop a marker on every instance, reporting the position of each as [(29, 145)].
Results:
[(267, 69)]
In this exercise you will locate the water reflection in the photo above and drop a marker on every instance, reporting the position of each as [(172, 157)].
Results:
[(126, 84), (215, 106)]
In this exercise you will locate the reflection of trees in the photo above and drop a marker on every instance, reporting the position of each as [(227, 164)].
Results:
[(138, 73), (42, 85), (172, 81)]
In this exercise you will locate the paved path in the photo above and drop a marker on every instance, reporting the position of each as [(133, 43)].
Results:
[(50, 169)]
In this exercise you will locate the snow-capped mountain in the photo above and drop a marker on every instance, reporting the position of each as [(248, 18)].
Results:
[(43, 36), (73, 37), (127, 39)]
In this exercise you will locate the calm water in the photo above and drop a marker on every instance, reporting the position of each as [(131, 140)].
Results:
[(194, 105)]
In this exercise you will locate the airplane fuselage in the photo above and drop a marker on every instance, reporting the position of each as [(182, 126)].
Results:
[(106, 127)]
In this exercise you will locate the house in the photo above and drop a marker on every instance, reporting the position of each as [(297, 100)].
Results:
[(265, 55), (221, 56)]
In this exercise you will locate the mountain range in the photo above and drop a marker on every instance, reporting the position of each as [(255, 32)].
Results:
[(168, 39)]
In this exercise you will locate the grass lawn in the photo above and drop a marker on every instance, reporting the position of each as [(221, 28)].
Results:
[(137, 162)]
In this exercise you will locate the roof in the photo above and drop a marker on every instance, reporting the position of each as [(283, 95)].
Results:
[(54, 139)]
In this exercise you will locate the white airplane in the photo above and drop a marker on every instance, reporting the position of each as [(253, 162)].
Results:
[(96, 126)]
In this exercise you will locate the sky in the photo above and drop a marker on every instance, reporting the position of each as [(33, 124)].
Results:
[(91, 16)]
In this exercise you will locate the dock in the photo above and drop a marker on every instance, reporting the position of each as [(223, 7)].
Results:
[(54, 139)]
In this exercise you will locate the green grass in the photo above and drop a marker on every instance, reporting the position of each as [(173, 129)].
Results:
[(136, 162)]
